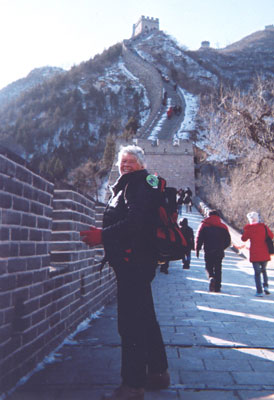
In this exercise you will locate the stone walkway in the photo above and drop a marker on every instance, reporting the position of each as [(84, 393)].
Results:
[(220, 346)]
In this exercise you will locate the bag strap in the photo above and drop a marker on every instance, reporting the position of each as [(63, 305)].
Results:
[(266, 233)]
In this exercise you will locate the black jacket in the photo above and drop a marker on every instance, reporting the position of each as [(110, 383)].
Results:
[(129, 223), (213, 235), (187, 231)]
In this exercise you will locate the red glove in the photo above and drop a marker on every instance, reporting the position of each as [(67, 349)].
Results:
[(93, 236)]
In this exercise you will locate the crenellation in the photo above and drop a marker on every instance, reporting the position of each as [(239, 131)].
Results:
[(145, 25)]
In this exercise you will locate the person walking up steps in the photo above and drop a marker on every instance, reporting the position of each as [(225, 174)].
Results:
[(187, 231), (188, 199), (180, 200), (255, 231), (214, 236), (128, 239)]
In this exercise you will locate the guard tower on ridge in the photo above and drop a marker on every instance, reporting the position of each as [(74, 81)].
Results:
[(145, 25)]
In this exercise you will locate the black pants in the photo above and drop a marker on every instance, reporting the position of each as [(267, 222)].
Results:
[(186, 259), (164, 267), (213, 261), (143, 349)]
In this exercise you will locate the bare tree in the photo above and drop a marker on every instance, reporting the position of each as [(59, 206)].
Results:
[(240, 127), (237, 121), (85, 178)]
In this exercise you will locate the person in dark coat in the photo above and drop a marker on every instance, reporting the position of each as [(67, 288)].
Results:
[(188, 191), (214, 236), (180, 200), (128, 239), (187, 231), (255, 231), (188, 199), (188, 202)]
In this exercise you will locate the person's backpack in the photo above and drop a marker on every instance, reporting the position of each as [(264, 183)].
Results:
[(169, 240), (170, 243)]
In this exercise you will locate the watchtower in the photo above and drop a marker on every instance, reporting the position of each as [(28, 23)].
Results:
[(205, 44), (145, 25), (172, 160)]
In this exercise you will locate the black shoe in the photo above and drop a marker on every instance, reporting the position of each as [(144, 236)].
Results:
[(211, 284), (158, 381), (266, 291)]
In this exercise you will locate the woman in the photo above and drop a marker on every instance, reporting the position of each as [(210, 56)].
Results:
[(255, 231), (128, 239)]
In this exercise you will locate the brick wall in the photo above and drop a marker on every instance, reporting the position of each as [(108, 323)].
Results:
[(49, 279)]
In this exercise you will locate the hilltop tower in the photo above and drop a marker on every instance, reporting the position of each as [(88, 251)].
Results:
[(145, 25), (205, 44)]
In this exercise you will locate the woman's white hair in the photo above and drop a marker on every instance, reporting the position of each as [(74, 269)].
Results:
[(137, 151), (253, 217)]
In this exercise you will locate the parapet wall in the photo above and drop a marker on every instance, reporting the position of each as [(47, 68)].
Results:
[(49, 279)]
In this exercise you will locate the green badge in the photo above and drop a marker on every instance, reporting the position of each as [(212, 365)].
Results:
[(152, 180)]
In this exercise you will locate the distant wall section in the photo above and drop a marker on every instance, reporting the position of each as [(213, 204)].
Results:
[(175, 163), (150, 78)]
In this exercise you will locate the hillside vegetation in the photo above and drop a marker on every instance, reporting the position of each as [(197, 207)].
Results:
[(65, 121), (241, 137)]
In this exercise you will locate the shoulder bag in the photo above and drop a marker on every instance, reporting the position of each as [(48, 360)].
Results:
[(269, 242)]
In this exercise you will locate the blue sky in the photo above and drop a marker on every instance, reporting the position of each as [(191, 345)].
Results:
[(62, 33)]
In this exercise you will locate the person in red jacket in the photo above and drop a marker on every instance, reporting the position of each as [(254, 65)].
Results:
[(255, 231)]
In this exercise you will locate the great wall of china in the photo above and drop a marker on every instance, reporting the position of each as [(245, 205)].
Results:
[(49, 279)]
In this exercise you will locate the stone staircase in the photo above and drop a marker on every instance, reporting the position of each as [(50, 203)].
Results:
[(155, 86), (171, 126)]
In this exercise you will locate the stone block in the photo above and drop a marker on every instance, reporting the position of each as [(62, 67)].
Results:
[(10, 217), (27, 249), (4, 233), (18, 233), (28, 220), (7, 282), (5, 200)]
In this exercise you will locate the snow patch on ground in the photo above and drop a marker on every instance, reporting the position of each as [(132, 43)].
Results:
[(191, 109), (55, 356)]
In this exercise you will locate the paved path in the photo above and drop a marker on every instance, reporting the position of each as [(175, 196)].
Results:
[(220, 345)]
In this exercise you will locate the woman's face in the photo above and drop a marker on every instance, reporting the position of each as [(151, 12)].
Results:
[(129, 163)]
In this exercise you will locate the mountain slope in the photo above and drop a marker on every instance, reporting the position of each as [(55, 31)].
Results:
[(65, 119), (74, 112), (34, 78)]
